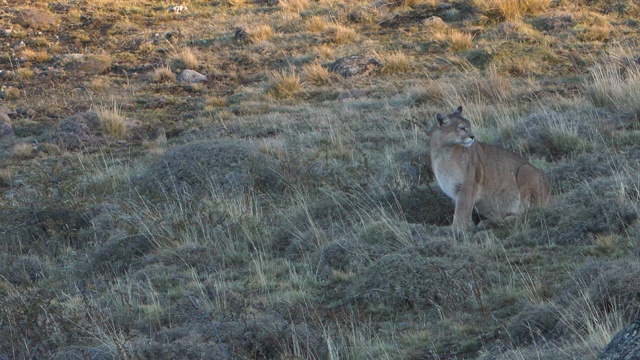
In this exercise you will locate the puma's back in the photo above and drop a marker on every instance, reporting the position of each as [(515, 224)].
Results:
[(497, 182)]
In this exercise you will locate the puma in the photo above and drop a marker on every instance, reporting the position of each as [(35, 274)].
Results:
[(498, 183)]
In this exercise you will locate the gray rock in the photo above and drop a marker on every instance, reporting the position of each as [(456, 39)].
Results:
[(177, 8), (354, 65), (433, 21), (191, 76), (625, 345)]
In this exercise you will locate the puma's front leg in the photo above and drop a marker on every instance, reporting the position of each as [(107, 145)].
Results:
[(462, 214)]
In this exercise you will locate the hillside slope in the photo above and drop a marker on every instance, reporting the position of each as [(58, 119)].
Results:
[(283, 206)]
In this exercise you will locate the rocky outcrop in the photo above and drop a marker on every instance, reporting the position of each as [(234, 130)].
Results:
[(625, 345)]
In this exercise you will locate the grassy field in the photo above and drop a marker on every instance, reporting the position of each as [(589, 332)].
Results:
[(279, 210)]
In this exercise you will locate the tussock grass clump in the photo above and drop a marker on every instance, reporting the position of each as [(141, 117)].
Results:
[(112, 121), (535, 323), (90, 64), (163, 75), (605, 206), (23, 150), (458, 40), (286, 84), (24, 73), (584, 168), (341, 34), (5, 177), (410, 277), (294, 6), (515, 30), (213, 102), (592, 27), (78, 131), (441, 32), (186, 59), (411, 3), (100, 84), (225, 164), (317, 24), (554, 135), (360, 14), (598, 300), (325, 52), (27, 270), (317, 74), (11, 92), (116, 255), (396, 62), (37, 56), (260, 33), (615, 86), (507, 10)]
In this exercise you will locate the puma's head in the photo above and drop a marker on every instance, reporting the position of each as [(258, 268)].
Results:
[(455, 129)]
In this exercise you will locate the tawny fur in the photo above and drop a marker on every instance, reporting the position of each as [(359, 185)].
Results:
[(498, 183)]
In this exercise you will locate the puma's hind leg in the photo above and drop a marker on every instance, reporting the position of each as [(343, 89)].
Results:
[(534, 186)]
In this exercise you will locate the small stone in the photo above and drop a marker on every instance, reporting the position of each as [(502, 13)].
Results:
[(191, 77), (177, 8), (433, 21), (354, 65), (240, 35)]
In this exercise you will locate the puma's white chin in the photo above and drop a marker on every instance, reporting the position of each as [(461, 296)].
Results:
[(468, 142)]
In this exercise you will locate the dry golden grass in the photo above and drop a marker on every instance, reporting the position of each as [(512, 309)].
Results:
[(235, 3), (214, 101), (606, 243), (5, 177), (534, 7), (286, 84), (187, 58), (593, 32), (508, 10), (12, 93), (316, 74), (99, 84), (112, 120), (396, 62), (317, 24), (341, 34), (80, 36), (459, 41), (36, 56), (40, 41), (325, 51), (613, 88), (163, 74), (411, 3), (455, 39), (294, 6), (23, 150), (260, 33), (24, 73)]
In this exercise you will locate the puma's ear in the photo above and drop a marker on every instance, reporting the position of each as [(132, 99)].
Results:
[(441, 119), (458, 110)]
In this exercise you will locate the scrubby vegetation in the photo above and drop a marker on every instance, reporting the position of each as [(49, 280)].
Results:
[(282, 205)]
